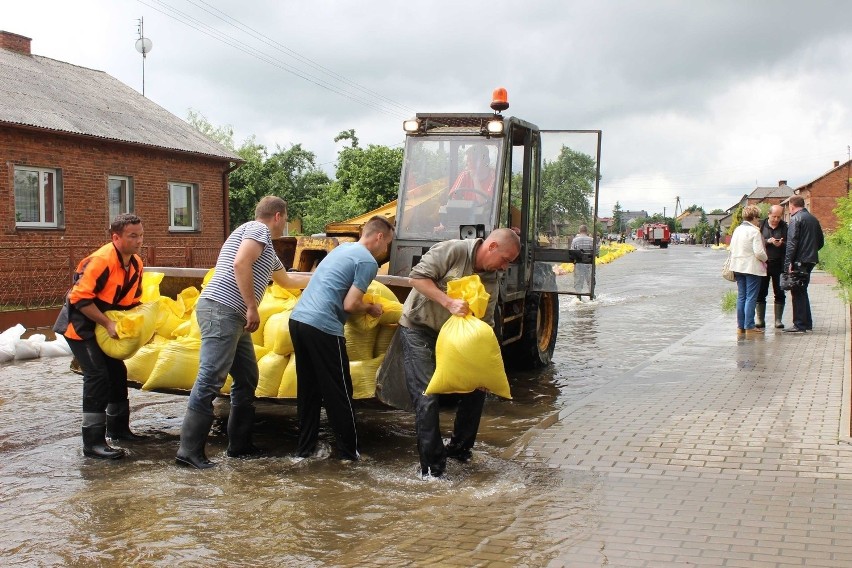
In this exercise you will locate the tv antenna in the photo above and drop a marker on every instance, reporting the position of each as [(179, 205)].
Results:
[(143, 46)]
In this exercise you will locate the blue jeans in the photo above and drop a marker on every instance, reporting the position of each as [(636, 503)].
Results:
[(225, 347), (748, 285)]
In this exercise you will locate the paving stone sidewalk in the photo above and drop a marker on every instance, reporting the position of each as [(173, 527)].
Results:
[(719, 451)]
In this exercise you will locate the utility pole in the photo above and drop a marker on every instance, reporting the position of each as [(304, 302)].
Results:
[(143, 46)]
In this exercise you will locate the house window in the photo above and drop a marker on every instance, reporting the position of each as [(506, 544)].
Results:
[(38, 197), (120, 191), (183, 207)]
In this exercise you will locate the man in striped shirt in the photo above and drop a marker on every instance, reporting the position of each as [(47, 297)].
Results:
[(227, 315)]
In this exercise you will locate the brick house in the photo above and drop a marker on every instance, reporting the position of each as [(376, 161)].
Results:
[(77, 147), (821, 194)]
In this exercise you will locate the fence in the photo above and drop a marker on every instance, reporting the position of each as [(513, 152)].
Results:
[(37, 277)]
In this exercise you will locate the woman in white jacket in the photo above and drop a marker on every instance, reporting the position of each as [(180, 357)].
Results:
[(748, 262)]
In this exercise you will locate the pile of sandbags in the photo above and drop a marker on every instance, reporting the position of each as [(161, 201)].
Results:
[(14, 348), (168, 360)]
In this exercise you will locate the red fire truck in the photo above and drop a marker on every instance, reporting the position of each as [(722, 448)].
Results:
[(656, 234)]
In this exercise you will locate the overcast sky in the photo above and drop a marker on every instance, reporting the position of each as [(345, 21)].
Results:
[(701, 99)]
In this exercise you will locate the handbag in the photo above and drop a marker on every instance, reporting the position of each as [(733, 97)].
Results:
[(727, 273), (792, 280)]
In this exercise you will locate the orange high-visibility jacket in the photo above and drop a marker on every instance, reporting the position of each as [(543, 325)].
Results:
[(100, 279)]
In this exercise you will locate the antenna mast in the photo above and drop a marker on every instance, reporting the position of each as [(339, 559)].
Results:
[(143, 46)]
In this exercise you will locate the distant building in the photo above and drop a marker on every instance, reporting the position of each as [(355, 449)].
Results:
[(77, 147), (821, 194)]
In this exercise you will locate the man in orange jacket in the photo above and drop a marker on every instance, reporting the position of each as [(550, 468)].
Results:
[(108, 279)]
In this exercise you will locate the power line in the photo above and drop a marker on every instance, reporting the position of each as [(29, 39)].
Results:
[(196, 24), (311, 63)]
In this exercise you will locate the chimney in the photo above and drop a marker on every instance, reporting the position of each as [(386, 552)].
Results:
[(15, 42), (782, 182), (836, 163)]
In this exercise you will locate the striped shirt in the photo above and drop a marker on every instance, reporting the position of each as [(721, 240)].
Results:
[(223, 287), (583, 242)]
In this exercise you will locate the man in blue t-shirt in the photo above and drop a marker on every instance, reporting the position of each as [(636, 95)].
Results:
[(336, 290), (227, 315)]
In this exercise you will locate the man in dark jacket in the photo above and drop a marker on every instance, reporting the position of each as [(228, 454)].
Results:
[(804, 239), (774, 231)]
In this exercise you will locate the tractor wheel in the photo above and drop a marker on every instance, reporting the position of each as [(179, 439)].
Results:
[(541, 320)]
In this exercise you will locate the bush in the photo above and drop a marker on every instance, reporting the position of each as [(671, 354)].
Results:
[(836, 255), (729, 301)]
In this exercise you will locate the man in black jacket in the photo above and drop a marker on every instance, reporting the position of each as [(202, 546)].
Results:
[(774, 231), (804, 239)]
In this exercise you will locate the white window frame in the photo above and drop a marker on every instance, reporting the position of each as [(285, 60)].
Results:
[(128, 196), (58, 219), (184, 193)]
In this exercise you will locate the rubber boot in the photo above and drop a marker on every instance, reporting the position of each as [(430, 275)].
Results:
[(94, 438), (760, 315), (118, 422), (240, 426), (779, 311), (193, 438)]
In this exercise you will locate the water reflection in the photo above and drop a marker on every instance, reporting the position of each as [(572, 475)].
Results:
[(62, 509)]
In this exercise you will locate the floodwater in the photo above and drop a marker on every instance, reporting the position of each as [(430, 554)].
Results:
[(61, 509)]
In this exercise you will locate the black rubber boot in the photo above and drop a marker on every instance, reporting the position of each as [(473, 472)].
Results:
[(760, 315), (94, 438), (240, 426), (118, 422), (193, 438), (779, 311)]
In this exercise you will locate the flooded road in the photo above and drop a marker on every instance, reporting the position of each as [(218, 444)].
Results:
[(62, 509)]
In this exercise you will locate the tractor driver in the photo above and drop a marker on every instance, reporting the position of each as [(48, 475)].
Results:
[(474, 185), (476, 182)]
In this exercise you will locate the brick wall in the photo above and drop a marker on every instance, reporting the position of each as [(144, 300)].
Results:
[(822, 194), (86, 165)]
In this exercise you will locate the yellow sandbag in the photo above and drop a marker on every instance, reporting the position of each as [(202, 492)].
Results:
[(189, 297), (167, 318), (288, 380), (359, 342), (275, 300), (383, 339), (391, 312), (260, 351), (378, 293), (188, 328), (271, 367), (470, 289), (134, 327), (226, 388), (364, 376), (139, 366), (276, 333), (151, 286), (467, 357), (380, 289), (177, 365)]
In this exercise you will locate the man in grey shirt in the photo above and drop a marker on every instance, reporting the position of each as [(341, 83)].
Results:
[(426, 310), (583, 272)]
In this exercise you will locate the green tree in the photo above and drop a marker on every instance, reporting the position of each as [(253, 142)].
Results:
[(736, 219), (289, 173), (617, 218), (568, 184), (370, 176), (224, 135)]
